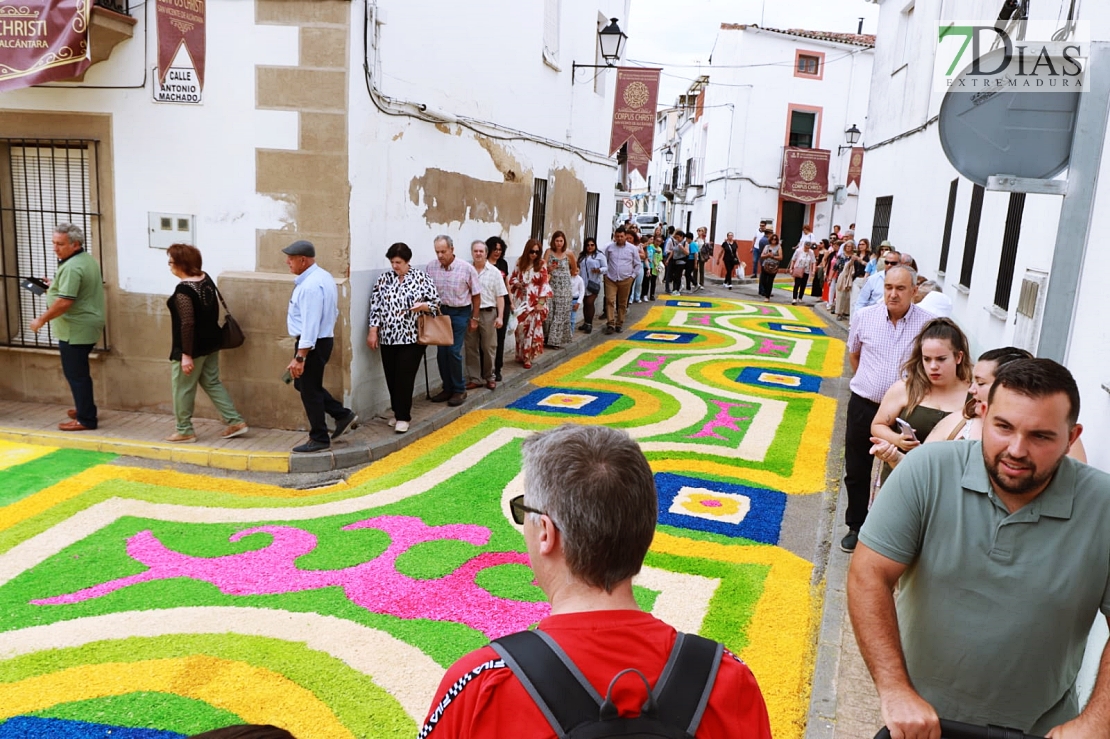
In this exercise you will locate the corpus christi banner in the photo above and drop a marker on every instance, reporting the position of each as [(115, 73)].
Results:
[(634, 115), (805, 175), (181, 23), (42, 41), (855, 166)]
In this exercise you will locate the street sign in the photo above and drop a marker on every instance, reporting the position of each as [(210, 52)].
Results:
[(180, 86), (628, 203), (1002, 132)]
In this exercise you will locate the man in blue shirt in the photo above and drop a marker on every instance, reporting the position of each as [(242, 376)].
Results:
[(313, 310)]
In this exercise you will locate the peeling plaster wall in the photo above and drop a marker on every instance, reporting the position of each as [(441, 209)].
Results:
[(414, 179)]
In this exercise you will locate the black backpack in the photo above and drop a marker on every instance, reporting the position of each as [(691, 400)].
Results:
[(673, 709)]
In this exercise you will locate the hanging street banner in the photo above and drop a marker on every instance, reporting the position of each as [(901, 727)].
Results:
[(180, 23), (855, 166), (43, 41), (805, 175), (634, 115)]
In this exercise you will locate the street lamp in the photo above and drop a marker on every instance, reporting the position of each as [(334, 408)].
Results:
[(669, 156), (611, 39), (852, 137)]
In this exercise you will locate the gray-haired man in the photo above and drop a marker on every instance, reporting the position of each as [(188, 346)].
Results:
[(75, 301), (588, 517)]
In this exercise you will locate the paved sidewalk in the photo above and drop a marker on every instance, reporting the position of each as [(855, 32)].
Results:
[(138, 434)]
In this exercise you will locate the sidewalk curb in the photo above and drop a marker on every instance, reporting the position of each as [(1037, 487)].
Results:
[(342, 455), (824, 688)]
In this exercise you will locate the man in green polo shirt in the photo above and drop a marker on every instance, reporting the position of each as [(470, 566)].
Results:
[(75, 301), (1001, 551)]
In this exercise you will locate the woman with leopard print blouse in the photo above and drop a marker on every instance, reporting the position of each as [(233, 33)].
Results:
[(398, 296)]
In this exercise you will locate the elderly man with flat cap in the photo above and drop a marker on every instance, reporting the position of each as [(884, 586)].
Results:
[(313, 310)]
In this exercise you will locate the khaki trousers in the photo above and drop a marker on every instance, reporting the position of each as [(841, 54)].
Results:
[(616, 301), (481, 347)]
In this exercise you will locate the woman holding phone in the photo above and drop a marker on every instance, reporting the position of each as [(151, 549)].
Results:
[(937, 377)]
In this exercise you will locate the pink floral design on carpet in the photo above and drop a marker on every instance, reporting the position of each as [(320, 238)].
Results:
[(650, 367), (723, 420), (770, 347), (376, 585)]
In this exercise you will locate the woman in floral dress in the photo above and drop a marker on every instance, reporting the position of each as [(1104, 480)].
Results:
[(531, 291), (561, 267)]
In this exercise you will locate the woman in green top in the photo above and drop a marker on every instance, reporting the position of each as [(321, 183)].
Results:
[(937, 377)]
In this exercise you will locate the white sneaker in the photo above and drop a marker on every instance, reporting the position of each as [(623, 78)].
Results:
[(392, 422), (401, 427)]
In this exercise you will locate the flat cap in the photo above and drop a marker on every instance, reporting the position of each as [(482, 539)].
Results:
[(300, 248)]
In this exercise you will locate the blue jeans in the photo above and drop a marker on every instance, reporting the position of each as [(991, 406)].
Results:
[(450, 358), (75, 367)]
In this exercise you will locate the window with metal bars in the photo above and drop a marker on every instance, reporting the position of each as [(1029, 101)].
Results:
[(539, 208), (43, 182), (880, 224), (972, 238), (593, 205), (949, 218), (1010, 238)]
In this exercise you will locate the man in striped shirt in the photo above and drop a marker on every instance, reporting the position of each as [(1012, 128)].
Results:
[(460, 295), (879, 344)]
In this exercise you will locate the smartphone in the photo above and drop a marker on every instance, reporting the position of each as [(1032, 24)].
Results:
[(905, 428), (287, 377)]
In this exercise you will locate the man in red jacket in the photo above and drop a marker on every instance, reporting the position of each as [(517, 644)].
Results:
[(589, 513)]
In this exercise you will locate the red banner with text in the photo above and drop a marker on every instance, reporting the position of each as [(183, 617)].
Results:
[(805, 175), (855, 166), (43, 41), (181, 23), (634, 115)]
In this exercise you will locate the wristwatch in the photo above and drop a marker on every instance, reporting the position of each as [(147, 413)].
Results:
[(298, 358)]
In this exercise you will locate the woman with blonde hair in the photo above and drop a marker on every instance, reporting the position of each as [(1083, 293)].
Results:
[(968, 422), (531, 291), (936, 380)]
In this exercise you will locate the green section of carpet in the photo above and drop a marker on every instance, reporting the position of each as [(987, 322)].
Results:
[(360, 704), (28, 478), (163, 711), (732, 606)]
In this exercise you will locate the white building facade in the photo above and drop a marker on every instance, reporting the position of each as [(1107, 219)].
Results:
[(766, 89), (352, 123), (991, 252)]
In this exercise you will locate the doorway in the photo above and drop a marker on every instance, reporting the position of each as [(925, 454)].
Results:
[(793, 218)]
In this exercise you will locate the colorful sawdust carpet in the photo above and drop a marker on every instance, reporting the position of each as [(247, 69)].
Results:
[(141, 603)]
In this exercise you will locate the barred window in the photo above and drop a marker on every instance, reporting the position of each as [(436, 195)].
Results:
[(43, 182)]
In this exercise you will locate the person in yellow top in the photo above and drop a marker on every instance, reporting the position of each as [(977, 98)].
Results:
[(75, 310)]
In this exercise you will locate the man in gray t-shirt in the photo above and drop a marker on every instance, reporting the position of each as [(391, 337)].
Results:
[(1001, 551)]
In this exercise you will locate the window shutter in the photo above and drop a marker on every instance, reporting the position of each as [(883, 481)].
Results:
[(551, 13)]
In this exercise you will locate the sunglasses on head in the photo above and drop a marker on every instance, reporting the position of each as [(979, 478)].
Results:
[(518, 509)]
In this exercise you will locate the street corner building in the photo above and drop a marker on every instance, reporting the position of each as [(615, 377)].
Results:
[(238, 126)]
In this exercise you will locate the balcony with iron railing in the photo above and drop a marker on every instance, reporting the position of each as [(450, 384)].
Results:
[(110, 24)]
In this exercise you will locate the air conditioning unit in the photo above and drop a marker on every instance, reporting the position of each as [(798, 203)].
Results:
[(1030, 310)]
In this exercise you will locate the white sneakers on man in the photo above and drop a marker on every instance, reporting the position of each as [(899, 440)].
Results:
[(401, 427)]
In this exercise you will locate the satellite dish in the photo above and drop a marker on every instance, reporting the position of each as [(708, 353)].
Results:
[(996, 131)]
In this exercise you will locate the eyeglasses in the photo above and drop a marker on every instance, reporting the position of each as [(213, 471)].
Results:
[(518, 509), (890, 264), (534, 251)]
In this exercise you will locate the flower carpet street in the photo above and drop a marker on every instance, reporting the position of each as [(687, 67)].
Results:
[(164, 603)]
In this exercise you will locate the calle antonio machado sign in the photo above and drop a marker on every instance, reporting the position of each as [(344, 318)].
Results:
[(43, 41), (181, 23), (805, 175), (634, 115)]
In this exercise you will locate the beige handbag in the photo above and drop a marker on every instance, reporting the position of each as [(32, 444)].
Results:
[(434, 330)]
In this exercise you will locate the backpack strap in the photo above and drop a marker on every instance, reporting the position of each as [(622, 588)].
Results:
[(682, 692), (558, 687)]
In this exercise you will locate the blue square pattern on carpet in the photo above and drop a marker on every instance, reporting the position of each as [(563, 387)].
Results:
[(797, 329), (566, 400), (663, 337), (780, 379), (688, 304), (32, 727), (720, 507)]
